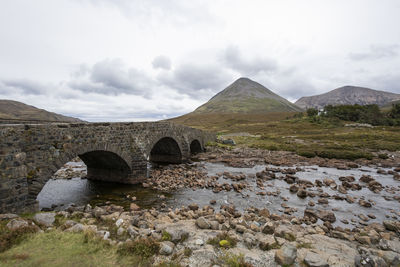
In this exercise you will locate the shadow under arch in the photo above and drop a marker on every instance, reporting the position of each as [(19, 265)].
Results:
[(105, 166), (166, 150), (195, 147)]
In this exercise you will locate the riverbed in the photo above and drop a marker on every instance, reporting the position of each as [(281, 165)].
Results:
[(61, 193)]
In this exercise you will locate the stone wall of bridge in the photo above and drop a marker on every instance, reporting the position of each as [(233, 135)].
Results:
[(115, 152)]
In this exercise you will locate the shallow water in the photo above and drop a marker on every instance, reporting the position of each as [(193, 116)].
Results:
[(63, 193)]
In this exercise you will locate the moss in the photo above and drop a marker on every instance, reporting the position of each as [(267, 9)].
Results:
[(224, 243), (290, 237), (166, 236), (229, 241), (187, 252)]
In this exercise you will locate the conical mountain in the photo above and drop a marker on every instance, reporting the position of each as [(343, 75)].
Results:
[(348, 95), (246, 96)]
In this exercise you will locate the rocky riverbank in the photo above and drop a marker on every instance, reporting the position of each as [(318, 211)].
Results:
[(255, 207), (195, 236)]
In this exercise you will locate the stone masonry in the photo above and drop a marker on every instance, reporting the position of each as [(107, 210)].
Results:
[(115, 152)]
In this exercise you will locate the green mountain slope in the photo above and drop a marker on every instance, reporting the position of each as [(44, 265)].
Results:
[(246, 96)]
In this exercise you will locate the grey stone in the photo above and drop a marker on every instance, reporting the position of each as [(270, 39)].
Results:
[(16, 224), (315, 260), (46, 219), (166, 248), (77, 228), (286, 255), (203, 223)]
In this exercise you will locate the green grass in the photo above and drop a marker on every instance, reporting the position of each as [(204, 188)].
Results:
[(9, 238), (309, 137), (56, 248)]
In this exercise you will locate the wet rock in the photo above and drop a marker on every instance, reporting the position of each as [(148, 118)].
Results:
[(203, 223), (302, 193), (364, 203), (328, 181), (286, 255), (326, 215), (294, 188), (313, 259), (193, 207), (46, 219), (323, 201), (134, 207), (366, 179)]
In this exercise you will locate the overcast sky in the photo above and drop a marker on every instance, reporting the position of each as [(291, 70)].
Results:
[(130, 60)]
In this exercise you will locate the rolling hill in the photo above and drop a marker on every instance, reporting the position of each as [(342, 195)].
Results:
[(16, 111), (348, 95)]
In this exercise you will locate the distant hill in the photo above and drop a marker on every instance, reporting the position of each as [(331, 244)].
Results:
[(14, 110), (246, 96), (348, 95)]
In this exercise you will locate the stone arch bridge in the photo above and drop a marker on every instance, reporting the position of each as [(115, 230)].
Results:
[(115, 152)]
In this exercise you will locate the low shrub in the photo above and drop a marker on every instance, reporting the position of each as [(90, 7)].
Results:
[(9, 238), (144, 247), (232, 260), (229, 242)]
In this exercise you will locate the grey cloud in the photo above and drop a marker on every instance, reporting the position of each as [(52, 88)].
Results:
[(22, 86), (376, 52), (111, 77), (233, 59), (198, 81), (161, 62)]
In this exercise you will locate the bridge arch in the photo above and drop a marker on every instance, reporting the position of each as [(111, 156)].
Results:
[(166, 150), (104, 163), (195, 147)]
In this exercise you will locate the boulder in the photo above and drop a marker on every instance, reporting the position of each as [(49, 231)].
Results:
[(302, 193), (46, 219), (286, 255), (203, 223), (313, 259), (392, 225), (15, 224), (166, 248)]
